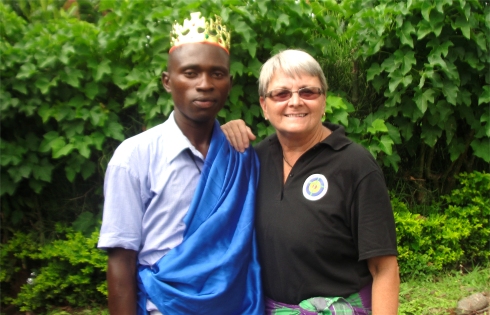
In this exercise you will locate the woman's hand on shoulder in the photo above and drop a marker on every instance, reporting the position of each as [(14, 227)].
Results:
[(238, 134)]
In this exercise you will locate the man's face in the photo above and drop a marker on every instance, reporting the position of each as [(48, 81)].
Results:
[(199, 80)]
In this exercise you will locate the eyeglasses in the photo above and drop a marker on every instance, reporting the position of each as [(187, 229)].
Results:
[(306, 93)]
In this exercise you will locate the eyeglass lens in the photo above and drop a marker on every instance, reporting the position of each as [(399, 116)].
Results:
[(307, 93)]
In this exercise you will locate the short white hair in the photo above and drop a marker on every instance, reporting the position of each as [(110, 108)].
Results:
[(293, 63)]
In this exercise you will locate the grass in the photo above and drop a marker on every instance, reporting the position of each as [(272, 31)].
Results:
[(70, 311), (439, 295)]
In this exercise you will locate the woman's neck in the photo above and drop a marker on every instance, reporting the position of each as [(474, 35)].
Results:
[(297, 145), (294, 147)]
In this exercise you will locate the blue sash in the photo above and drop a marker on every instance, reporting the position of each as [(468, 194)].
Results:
[(215, 269)]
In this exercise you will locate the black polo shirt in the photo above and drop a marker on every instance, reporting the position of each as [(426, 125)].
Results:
[(316, 231)]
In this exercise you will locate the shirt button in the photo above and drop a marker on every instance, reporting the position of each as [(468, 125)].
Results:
[(290, 175)]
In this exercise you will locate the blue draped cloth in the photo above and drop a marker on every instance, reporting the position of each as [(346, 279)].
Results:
[(215, 269)]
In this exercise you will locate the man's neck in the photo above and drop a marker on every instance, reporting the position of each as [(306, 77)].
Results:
[(199, 135)]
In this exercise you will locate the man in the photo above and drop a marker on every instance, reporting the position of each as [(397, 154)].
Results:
[(178, 208)]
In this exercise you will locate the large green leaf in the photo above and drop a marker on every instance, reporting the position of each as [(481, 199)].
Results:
[(102, 68), (236, 67), (481, 148), (423, 99), (72, 76), (43, 171), (430, 134), (385, 144), (405, 34), (236, 92), (450, 91), (114, 130), (62, 150), (52, 140), (427, 6), (463, 24), (26, 71), (373, 71), (244, 30), (484, 98), (378, 125)]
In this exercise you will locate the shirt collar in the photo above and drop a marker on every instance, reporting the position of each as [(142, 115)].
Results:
[(177, 141), (337, 140)]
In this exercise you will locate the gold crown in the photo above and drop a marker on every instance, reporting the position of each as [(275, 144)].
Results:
[(198, 30)]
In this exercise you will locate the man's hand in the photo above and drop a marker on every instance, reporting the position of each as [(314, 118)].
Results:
[(121, 281), (238, 134)]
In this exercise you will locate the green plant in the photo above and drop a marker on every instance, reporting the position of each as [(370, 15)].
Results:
[(422, 246), (55, 121), (470, 203), (454, 231), (79, 88), (430, 61), (67, 271)]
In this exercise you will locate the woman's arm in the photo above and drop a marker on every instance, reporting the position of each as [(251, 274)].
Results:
[(238, 134), (386, 284)]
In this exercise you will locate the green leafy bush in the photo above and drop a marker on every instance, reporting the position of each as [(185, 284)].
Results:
[(455, 231), (67, 271), (78, 88), (429, 62), (470, 203)]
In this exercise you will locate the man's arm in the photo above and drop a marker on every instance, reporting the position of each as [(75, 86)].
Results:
[(386, 284), (238, 134), (121, 281)]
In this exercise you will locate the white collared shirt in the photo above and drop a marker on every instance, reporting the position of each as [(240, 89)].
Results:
[(148, 187)]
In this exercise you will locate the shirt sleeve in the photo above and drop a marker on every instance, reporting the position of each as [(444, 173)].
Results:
[(374, 223), (123, 210)]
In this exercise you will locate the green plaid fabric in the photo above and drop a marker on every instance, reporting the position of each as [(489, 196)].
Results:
[(351, 305)]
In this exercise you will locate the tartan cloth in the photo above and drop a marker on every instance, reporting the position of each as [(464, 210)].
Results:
[(355, 304)]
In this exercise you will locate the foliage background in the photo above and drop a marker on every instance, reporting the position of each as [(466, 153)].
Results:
[(408, 79)]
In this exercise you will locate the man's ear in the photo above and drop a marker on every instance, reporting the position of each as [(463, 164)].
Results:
[(165, 81)]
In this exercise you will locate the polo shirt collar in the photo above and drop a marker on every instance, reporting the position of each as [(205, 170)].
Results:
[(337, 139)]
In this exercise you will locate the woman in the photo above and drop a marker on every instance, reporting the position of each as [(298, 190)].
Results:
[(324, 221)]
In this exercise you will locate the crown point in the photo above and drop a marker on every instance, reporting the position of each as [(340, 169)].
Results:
[(198, 30)]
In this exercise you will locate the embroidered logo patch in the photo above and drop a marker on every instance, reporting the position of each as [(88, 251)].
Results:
[(315, 187)]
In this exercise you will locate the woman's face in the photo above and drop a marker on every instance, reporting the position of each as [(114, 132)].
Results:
[(295, 116)]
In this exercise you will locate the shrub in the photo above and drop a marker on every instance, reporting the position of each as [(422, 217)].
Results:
[(429, 62), (470, 203), (454, 232), (67, 271)]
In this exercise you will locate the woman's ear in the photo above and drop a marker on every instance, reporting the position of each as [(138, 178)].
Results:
[(264, 107)]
